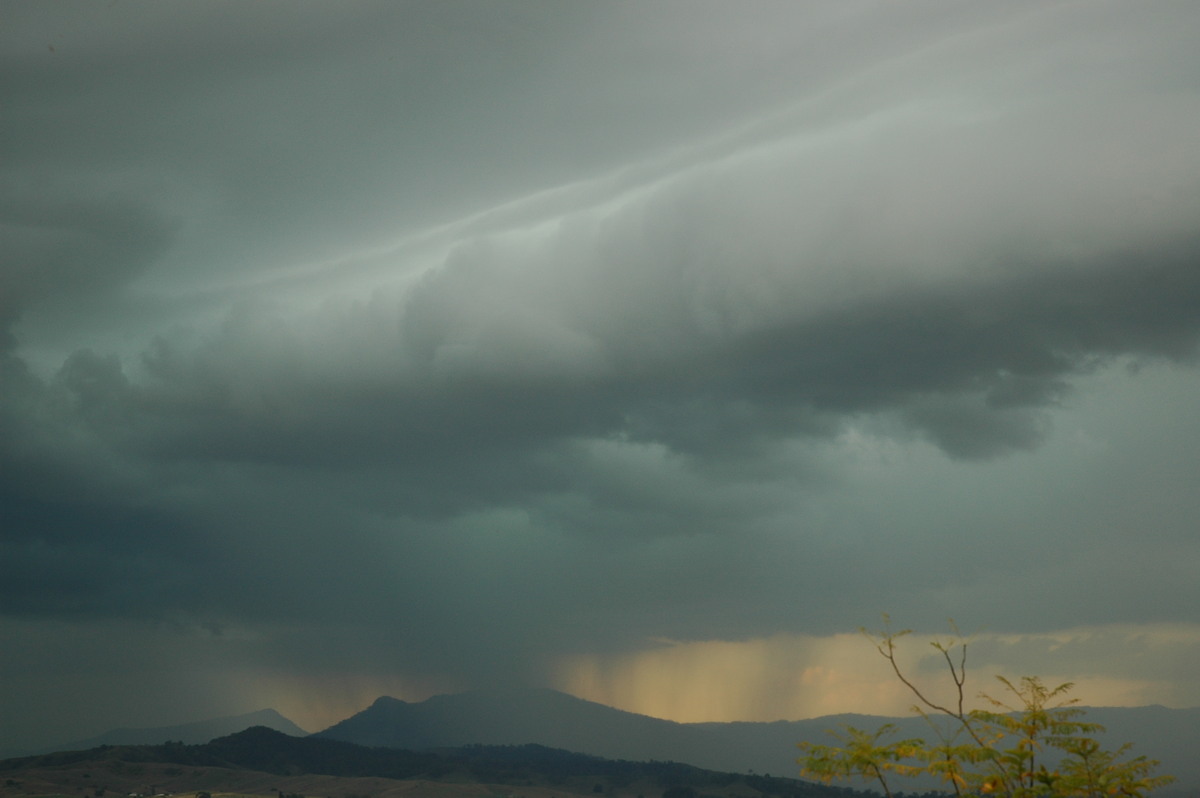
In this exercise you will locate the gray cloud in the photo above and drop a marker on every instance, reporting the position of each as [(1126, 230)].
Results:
[(63, 247), (441, 342)]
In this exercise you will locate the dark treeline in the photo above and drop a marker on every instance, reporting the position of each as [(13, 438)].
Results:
[(264, 749)]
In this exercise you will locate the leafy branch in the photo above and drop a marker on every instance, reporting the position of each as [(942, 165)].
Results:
[(1033, 743)]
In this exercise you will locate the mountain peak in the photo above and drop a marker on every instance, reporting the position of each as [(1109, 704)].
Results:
[(507, 716), (517, 716), (191, 733)]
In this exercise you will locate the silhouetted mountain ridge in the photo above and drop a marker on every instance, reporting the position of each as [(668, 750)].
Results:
[(191, 733), (267, 750), (554, 719), (515, 717)]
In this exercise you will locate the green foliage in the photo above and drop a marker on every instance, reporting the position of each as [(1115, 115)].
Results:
[(862, 754), (1032, 743)]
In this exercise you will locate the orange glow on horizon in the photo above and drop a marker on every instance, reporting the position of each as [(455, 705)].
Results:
[(791, 677)]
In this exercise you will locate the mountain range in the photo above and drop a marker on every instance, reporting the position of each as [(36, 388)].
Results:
[(555, 719), (559, 721), (261, 761), (190, 733)]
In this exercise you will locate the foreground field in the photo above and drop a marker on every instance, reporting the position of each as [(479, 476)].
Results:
[(111, 779)]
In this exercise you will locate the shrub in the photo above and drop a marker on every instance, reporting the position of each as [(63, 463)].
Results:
[(1034, 743)]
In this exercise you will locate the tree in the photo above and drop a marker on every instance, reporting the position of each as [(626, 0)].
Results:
[(1032, 743)]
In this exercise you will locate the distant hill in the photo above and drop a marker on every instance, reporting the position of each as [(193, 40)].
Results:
[(241, 762), (558, 720), (190, 733), (515, 717)]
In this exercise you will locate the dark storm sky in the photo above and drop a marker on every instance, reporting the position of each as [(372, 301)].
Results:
[(413, 346)]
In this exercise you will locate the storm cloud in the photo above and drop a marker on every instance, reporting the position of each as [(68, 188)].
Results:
[(428, 345)]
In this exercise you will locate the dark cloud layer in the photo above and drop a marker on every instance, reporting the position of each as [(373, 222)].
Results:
[(442, 341)]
